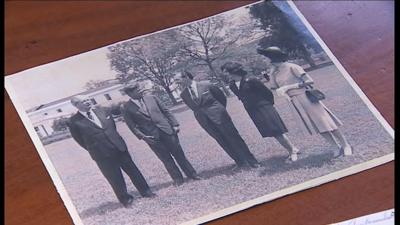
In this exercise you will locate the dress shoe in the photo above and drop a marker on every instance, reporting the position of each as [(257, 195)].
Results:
[(293, 157), (337, 153), (128, 202), (296, 151), (149, 194), (348, 150), (196, 177), (289, 159), (238, 168), (255, 165), (178, 183)]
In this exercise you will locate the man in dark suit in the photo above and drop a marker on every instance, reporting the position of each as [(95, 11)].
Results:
[(208, 103), (148, 118), (95, 131)]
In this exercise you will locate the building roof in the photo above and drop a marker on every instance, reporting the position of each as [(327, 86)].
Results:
[(69, 97)]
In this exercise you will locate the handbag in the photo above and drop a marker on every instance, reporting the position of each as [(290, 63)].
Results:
[(313, 94)]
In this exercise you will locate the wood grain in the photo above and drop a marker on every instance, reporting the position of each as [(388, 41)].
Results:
[(360, 34)]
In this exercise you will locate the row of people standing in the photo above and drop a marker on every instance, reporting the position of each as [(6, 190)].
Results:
[(152, 122)]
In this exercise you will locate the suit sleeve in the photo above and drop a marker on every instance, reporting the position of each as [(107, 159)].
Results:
[(261, 89), (218, 94), (130, 123), (171, 118), (76, 135)]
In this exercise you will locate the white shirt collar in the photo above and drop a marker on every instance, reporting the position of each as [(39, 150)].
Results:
[(193, 84), (136, 101), (85, 113), (95, 120)]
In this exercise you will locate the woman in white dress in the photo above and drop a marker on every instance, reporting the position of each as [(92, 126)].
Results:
[(290, 80)]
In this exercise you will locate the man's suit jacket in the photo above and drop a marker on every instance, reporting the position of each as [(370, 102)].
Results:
[(157, 116), (100, 142), (211, 102)]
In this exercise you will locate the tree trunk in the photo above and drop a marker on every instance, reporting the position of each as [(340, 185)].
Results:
[(307, 56), (225, 90)]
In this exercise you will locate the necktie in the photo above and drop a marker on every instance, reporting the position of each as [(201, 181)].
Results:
[(193, 93), (89, 115)]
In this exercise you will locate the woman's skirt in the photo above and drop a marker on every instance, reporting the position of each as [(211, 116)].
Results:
[(316, 117), (267, 120)]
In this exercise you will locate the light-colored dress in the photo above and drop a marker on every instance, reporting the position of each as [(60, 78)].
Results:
[(316, 117)]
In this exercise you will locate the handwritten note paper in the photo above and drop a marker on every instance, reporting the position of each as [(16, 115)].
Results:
[(381, 218)]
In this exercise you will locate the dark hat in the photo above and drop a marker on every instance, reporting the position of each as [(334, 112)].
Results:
[(231, 67), (185, 73), (271, 52), (131, 86)]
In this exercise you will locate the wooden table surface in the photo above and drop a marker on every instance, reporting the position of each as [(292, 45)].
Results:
[(359, 33)]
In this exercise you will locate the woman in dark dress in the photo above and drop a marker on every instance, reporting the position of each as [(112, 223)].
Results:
[(258, 101), (289, 80)]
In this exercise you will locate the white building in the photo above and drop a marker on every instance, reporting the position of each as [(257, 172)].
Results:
[(42, 117)]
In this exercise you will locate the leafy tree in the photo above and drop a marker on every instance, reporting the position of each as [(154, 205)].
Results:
[(60, 124), (153, 58), (247, 56), (280, 31), (207, 41), (93, 84)]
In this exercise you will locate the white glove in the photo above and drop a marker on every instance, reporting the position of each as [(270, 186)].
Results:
[(281, 91)]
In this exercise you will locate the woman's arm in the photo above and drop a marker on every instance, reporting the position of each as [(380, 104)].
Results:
[(299, 72), (304, 80)]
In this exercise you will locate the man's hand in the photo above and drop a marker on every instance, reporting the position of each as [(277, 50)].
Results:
[(149, 139), (176, 129)]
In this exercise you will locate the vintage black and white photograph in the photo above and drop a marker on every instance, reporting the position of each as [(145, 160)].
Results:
[(198, 121)]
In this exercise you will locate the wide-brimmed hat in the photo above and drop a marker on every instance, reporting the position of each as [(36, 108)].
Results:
[(231, 67), (271, 52)]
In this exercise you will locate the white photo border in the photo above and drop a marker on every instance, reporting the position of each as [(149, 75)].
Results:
[(236, 208)]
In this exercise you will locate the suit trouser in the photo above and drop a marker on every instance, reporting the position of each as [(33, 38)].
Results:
[(111, 169), (168, 148), (229, 139)]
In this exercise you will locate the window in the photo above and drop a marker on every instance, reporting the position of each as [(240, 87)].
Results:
[(108, 97), (59, 110), (93, 101)]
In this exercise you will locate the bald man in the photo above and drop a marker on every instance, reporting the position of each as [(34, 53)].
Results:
[(95, 131)]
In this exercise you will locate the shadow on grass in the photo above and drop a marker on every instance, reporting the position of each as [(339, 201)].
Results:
[(111, 206), (277, 164), (100, 210), (271, 166)]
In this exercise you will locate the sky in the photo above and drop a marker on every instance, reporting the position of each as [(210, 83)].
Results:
[(60, 79)]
